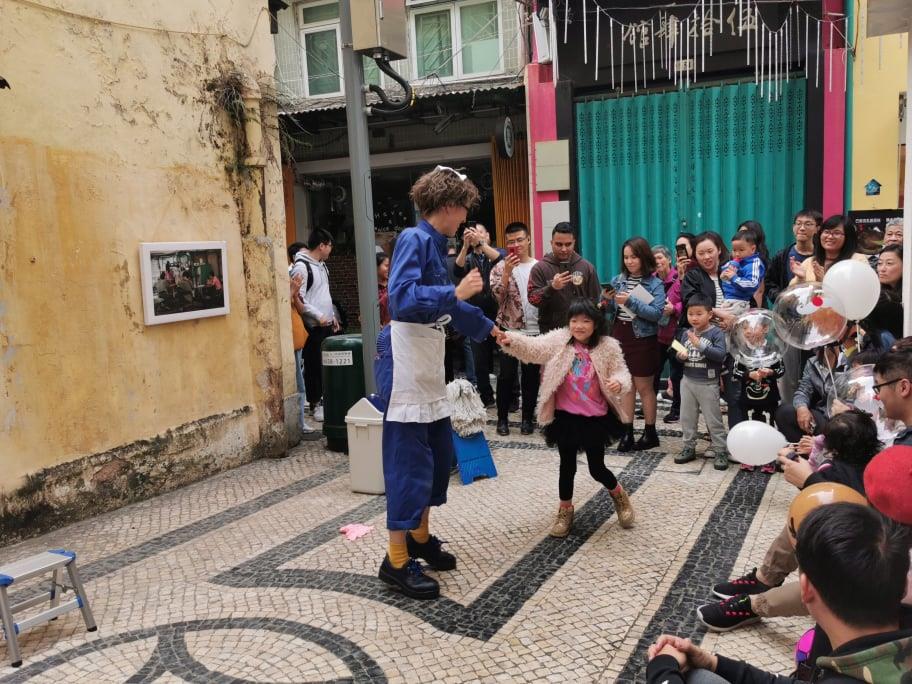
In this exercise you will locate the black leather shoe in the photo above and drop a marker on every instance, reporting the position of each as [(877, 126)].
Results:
[(626, 443), (526, 427), (503, 427), (431, 552), (671, 417), (649, 439), (409, 579)]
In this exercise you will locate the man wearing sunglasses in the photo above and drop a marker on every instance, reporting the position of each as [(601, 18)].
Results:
[(893, 387)]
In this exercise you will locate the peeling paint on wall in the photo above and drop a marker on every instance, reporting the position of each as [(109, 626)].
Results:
[(123, 144)]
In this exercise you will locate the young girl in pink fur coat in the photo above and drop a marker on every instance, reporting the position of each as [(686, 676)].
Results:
[(579, 402)]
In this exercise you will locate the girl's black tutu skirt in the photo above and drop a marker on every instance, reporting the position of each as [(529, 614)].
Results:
[(568, 428)]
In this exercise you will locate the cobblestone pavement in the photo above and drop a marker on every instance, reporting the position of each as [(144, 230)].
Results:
[(245, 577)]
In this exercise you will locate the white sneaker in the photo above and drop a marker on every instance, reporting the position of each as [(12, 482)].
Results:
[(318, 413)]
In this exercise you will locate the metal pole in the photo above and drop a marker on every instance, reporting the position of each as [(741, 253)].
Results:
[(362, 196)]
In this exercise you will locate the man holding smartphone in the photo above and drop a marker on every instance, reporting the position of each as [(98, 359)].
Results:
[(510, 286), (551, 282), (477, 253)]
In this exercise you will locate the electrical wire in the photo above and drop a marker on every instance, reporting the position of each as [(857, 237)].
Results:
[(151, 29)]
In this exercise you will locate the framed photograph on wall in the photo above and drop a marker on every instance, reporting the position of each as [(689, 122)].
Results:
[(183, 280)]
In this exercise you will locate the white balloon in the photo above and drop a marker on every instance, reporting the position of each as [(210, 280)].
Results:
[(754, 442), (854, 288)]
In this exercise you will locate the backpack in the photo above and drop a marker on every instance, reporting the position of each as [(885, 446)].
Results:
[(310, 277)]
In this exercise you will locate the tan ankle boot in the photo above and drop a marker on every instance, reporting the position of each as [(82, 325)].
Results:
[(624, 508), (563, 522)]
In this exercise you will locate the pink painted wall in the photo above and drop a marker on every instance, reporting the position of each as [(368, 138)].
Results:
[(541, 126), (834, 127), (834, 112)]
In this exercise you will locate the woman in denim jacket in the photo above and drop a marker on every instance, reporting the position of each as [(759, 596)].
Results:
[(636, 324)]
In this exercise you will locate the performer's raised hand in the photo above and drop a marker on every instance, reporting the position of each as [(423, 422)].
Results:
[(470, 285)]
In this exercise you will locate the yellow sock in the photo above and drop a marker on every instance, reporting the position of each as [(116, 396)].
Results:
[(398, 554), (421, 533)]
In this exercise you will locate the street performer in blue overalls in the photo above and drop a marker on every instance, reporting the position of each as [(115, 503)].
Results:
[(417, 437)]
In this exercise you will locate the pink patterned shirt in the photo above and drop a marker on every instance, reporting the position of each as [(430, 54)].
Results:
[(580, 393)]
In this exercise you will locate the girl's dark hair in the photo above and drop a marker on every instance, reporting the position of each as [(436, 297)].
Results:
[(852, 437), (849, 247), (716, 239), (381, 257), (643, 252), (293, 249), (585, 307), (757, 230)]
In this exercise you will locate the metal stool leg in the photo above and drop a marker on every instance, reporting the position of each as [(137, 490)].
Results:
[(12, 639), (56, 587), (83, 600)]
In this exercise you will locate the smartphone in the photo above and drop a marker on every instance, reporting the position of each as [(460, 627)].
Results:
[(512, 250), (565, 267), (681, 251), (607, 288)]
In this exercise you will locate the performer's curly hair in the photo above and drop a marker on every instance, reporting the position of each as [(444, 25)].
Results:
[(443, 188)]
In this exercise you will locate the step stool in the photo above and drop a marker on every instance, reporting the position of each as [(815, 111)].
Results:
[(54, 562)]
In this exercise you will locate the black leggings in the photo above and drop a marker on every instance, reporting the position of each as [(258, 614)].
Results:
[(595, 456)]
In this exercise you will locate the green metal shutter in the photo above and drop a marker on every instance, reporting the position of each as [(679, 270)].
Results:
[(712, 156)]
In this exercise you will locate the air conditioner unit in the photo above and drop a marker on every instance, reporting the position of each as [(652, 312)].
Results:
[(379, 27)]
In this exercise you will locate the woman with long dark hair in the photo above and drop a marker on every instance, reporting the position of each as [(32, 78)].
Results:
[(636, 326), (836, 241)]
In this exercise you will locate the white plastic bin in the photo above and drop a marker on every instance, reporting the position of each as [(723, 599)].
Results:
[(365, 448)]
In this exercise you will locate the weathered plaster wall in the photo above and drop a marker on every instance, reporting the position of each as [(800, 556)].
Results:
[(108, 138)]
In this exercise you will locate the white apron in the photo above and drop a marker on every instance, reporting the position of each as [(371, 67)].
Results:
[(419, 382)]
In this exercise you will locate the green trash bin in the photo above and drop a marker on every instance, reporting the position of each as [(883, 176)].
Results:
[(343, 386)]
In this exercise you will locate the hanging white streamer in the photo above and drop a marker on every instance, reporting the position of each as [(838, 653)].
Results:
[(817, 69), (566, 16), (634, 50), (621, 34), (807, 39), (598, 16), (652, 46), (702, 36), (762, 58), (643, 54), (687, 52), (788, 45), (585, 37), (748, 33), (611, 32)]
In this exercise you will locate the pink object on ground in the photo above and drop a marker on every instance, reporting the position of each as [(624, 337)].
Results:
[(355, 530)]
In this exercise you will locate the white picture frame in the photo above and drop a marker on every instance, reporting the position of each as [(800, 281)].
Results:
[(183, 281)]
